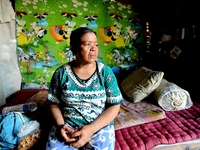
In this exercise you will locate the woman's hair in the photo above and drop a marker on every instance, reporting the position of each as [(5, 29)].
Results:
[(76, 35)]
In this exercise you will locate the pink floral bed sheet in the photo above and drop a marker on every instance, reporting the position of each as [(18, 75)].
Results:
[(132, 114)]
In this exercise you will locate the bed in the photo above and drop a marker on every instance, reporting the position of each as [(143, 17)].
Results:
[(141, 125), (170, 128)]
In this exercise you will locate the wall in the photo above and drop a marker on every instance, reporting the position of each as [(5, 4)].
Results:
[(44, 27), (171, 18)]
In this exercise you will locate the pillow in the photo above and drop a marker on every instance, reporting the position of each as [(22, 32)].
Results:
[(39, 98), (140, 83), (171, 97)]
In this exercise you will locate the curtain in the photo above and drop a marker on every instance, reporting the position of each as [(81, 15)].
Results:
[(10, 76)]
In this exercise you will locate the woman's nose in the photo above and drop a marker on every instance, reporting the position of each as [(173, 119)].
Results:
[(94, 47)]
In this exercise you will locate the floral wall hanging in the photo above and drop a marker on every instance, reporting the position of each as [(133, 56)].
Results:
[(43, 28)]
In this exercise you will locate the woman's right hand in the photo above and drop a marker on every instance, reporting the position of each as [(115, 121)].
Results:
[(66, 133)]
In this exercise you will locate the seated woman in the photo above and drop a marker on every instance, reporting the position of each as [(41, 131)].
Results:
[(84, 98)]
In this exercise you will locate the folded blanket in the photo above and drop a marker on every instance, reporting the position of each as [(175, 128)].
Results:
[(131, 114), (9, 127), (171, 97)]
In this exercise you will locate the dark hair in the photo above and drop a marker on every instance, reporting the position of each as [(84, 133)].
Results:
[(76, 36)]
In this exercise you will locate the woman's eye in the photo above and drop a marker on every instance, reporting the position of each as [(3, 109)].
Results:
[(87, 44), (90, 44)]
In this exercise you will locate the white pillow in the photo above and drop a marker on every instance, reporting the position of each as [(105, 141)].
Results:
[(171, 97), (140, 83)]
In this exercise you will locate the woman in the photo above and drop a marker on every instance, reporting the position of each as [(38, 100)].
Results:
[(85, 98)]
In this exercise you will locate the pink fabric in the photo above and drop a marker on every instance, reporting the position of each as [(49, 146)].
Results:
[(177, 127), (131, 114)]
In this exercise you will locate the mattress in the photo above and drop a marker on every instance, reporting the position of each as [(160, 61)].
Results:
[(177, 127), (188, 145)]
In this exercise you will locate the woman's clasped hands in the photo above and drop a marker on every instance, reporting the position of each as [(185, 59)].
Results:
[(78, 137)]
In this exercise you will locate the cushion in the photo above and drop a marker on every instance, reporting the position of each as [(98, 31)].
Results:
[(140, 83), (171, 97), (39, 98)]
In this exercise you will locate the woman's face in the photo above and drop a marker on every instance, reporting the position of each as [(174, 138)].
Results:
[(88, 48)]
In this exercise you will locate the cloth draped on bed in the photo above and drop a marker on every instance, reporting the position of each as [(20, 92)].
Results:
[(9, 126), (131, 114)]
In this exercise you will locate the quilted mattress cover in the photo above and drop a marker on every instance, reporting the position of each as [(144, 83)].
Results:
[(178, 126)]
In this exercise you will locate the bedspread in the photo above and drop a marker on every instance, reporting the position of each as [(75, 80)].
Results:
[(177, 127), (132, 114)]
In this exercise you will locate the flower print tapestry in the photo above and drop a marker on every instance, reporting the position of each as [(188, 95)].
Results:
[(44, 27)]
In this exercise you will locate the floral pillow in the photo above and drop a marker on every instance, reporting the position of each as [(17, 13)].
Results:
[(140, 83)]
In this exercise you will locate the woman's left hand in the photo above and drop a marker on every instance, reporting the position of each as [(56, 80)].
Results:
[(84, 134)]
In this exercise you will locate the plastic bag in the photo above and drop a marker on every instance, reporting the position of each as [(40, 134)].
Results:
[(29, 135), (28, 128)]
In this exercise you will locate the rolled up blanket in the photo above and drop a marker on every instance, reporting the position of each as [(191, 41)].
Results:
[(171, 97)]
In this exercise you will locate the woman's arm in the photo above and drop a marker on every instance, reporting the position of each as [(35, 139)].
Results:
[(65, 131), (106, 117), (57, 115), (84, 133)]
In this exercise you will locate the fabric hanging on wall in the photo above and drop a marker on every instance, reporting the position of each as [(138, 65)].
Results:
[(44, 27), (10, 76)]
